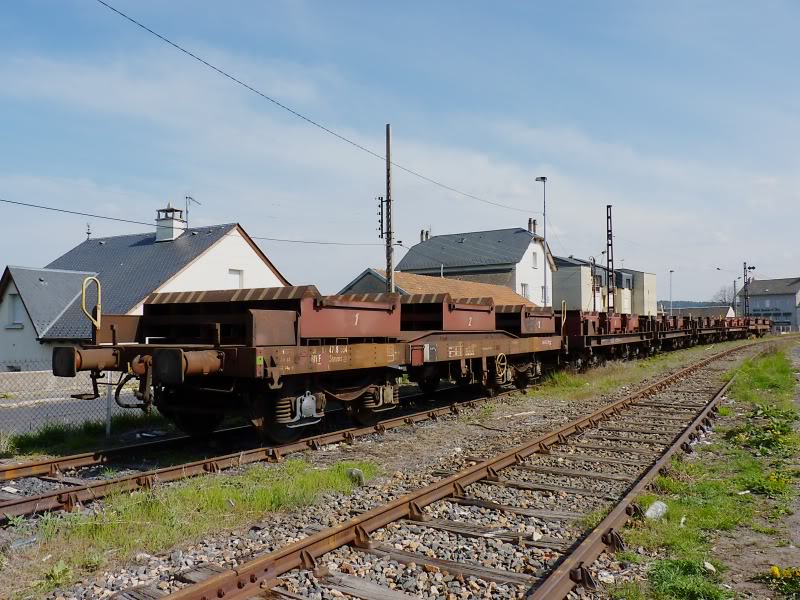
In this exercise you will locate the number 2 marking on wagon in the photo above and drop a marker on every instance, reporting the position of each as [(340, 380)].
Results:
[(470, 322)]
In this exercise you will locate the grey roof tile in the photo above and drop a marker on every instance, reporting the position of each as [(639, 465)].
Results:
[(130, 267), (46, 293), (478, 248), (772, 287)]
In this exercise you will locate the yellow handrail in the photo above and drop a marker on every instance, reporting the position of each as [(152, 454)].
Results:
[(90, 316)]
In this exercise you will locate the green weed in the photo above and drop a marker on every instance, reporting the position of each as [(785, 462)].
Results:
[(594, 518), (627, 591), (54, 577), (684, 580), (786, 581), (60, 438), (158, 519)]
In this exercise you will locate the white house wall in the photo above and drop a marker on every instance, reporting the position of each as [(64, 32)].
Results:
[(573, 285), (622, 301), (19, 347), (211, 270), (644, 293), (534, 277)]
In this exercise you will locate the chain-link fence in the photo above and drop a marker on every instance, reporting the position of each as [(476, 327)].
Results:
[(33, 398)]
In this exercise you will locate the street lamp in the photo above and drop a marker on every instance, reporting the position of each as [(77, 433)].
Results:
[(543, 180), (671, 271)]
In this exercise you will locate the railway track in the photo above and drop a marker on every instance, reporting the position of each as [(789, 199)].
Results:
[(528, 502), (76, 491)]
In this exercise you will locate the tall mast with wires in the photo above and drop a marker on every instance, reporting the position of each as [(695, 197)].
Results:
[(609, 260), (389, 231)]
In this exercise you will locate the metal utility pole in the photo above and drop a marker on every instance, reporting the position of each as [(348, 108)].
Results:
[(746, 290), (610, 283), (389, 230), (734, 298), (671, 271), (543, 181), (594, 291)]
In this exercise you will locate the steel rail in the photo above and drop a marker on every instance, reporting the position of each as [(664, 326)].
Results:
[(59, 464), (262, 573), (573, 568), (68, 498)]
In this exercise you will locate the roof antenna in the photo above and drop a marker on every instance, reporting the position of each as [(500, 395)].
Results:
[(88, 231), (189, 200)]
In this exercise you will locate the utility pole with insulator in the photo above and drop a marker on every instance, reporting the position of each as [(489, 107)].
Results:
[(746, 289), (389, 230)]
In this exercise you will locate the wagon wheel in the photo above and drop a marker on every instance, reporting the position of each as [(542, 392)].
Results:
[(266, 413), (363, 412), (500, 366), (197, 425), (429, 385)]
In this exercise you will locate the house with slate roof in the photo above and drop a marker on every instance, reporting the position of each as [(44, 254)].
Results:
[(776, 299), (41, 307), (514, 258)]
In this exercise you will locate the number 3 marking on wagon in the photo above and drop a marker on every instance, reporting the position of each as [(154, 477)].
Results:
[(356, 323)]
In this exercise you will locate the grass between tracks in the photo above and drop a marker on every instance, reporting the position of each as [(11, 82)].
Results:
[(156, 520), (615, 375), (60, 438), (732, 483)]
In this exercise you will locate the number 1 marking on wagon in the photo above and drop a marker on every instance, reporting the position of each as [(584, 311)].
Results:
[(356, 323)]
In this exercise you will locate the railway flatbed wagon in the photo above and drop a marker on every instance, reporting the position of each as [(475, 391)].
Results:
[(477, 342), (280, 356), (284, 357), (593, 336)]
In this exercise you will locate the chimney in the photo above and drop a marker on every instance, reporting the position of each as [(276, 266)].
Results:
[(421, 235), (532, 226), (427, 234), (169, 224)]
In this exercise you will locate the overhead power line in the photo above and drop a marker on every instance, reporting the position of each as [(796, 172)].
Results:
[(308, 120), (120, 220)]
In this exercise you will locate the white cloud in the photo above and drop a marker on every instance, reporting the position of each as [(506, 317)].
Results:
[(248, 161)]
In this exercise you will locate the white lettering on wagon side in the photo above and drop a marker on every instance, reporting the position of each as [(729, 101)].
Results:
[(456, 351)]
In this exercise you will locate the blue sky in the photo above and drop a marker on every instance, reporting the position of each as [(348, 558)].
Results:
[(682, 115)]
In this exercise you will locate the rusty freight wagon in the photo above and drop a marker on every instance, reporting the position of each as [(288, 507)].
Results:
[(284, 357)]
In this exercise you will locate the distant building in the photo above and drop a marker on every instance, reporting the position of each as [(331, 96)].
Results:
[(374, 280), (514, 258), (634, 291), (41, 307), (723, 311), (776, 299)]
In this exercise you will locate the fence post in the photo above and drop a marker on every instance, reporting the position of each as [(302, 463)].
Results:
[(109, 401)]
